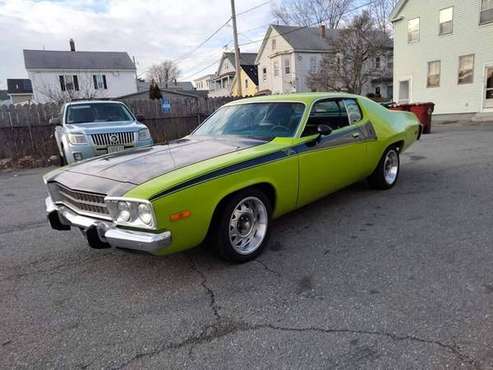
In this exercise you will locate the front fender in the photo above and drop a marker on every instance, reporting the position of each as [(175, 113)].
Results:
[(203, 198)]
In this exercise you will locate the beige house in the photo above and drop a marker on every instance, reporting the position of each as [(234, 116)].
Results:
[(443, 52)]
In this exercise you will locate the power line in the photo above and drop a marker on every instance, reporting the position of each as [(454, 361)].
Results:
[(252, 8), (203, 69), (310, 25), (187, 55)]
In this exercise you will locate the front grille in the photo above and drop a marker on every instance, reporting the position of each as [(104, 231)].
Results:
[(114, 138), (79, 201)]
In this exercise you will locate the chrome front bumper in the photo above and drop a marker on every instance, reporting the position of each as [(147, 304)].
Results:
[(62, 218)]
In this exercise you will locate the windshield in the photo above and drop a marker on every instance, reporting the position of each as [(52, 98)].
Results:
[(97, 112), (258, 120)]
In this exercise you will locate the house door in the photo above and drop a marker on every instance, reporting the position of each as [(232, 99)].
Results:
[(488, 99), (404, 93)]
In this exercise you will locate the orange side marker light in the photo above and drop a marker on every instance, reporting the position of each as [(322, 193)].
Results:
[(180, 215)]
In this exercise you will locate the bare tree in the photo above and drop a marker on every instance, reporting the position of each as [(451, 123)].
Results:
[(83, 89), (348, 67), (380, 11), (312, 12), (164, 74)]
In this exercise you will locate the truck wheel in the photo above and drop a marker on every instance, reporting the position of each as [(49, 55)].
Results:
[(385, 175), (241, 228)]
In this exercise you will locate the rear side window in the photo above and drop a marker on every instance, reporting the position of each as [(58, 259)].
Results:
[(353, 110)]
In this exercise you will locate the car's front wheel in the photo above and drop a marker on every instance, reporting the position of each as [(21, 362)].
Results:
[(242, 226), (385, 175)]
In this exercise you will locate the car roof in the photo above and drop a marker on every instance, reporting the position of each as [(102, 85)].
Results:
[(305, 98)]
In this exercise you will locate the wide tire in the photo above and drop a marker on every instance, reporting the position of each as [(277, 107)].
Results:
[(387, 172), (241, 226)]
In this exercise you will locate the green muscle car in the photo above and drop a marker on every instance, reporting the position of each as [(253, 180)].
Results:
[(251, 161)]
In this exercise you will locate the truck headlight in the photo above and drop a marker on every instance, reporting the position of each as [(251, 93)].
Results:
[(131, 212), (77, 139), (144, 134)]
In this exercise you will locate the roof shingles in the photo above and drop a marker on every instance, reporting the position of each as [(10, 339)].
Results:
[(50, 59)]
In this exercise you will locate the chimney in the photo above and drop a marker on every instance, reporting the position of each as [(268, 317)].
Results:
[(72, 45), (322, 31)]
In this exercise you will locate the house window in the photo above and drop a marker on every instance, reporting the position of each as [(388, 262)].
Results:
[(287, 69), (377, 63), (466, 69), (377, 91), (390, 62), (413, 30), (99, 82), (274, 44), (486, 11), (246, 83), (446, 21), (390, 92), (264, 74), (433, 79), (276, 68), (69, 82), (313, 64)]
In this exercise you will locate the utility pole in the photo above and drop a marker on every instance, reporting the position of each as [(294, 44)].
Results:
[(237, 48)]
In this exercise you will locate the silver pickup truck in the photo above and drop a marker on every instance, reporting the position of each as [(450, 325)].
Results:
[(85, 129)]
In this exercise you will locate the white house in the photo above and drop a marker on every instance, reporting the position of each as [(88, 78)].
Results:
[(289, 54), (443, 51), (60, 75), (204, 82), (222, 83)]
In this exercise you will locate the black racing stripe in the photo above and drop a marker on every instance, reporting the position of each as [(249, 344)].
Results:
[(224, 171), (300, 148)]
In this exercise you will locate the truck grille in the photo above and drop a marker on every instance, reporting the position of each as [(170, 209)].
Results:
[(114, 138), (81, 202)]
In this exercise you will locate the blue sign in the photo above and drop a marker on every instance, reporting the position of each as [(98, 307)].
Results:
[(165, 105)]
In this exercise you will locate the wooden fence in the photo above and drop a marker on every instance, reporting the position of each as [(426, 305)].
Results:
[(26, 131)]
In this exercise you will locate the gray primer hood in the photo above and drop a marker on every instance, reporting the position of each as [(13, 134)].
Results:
[(117, 173)]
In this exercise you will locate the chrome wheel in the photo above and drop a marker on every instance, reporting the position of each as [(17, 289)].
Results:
[(248, 225), (391, 166)]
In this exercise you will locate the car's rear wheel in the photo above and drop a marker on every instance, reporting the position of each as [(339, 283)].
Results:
[(387, 172), (242, 226)]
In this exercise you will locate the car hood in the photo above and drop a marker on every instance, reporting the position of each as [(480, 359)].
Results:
[(100, 127), (123, 170)]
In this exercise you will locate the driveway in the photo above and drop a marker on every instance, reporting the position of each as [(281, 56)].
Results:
[(361, 279)]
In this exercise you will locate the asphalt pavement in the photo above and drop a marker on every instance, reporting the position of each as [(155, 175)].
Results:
[(400, 279)]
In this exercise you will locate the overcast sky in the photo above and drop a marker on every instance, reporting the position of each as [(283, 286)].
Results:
[(150, 31)]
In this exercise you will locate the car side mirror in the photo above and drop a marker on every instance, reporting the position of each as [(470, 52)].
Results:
[(140, 117), (55, 121), (324, 130)]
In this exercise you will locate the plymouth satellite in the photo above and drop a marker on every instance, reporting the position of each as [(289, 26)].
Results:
[(251, 161)]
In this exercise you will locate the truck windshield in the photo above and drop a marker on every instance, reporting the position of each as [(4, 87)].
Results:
[(259, 120), (97, 112)]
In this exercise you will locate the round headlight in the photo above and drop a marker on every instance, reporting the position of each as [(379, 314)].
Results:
[(123, 211), (145, 213)]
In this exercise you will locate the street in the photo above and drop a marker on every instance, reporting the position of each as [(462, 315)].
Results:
[(361, 279)]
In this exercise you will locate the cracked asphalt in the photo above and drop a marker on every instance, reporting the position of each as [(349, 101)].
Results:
[(401, 279)]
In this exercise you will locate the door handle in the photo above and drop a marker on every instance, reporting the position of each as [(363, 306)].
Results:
[(356, 135)]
